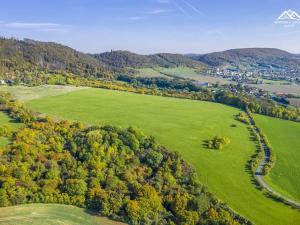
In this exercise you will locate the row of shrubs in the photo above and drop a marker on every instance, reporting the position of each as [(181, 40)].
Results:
[(261, 138)]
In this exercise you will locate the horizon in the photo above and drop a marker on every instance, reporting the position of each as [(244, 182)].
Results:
[(127, 50), (152, 26)]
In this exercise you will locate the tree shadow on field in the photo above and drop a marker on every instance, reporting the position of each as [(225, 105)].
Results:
[(251, 176), (280, 200), (98, 215), (252, 135)]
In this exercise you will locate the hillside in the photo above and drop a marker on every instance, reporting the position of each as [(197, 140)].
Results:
[(123, 59), (28, 55), (21, 58), (182, 126), (250, 58), (118, 172)]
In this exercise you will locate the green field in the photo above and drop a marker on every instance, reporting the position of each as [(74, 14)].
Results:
[(47, 214), (150, 72), (284, 137), (183, 126), (282, 82), (26, 93), (184, 72), (293, 89), (190, 73), (6, 121)]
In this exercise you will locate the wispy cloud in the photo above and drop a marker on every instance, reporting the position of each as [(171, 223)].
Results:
[(192, 7), (31, 25), (135, 18), (148, 14), (184, 6), (39, 26), (164, 1), (159, 11), (181, 9)]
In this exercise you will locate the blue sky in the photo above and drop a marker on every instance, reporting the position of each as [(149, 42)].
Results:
[(150, 26)]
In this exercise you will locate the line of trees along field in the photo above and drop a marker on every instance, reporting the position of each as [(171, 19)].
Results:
[(120, 173)]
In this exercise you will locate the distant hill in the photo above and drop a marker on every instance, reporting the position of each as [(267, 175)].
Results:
[(250, 58), (20, 56), (29, 55), (124, 59)]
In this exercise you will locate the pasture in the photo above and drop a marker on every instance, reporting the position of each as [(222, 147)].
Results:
[(182, 126), (6, 121), (190, 73), (183, 72), (25, 93), (293, 89), (50, 214), (284, 137), (149, 72)]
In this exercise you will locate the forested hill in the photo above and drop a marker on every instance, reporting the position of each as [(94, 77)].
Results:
[(20, 56), (28, 55), (122, 59), (250, 58)]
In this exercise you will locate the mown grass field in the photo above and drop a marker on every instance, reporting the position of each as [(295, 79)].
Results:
[(183, 126), (50, 214), (284, 137)]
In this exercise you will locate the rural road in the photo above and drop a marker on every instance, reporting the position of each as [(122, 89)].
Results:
[(259, 174)]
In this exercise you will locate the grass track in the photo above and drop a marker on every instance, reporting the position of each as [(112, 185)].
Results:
[(182, 125), (50, 214), (284, 137)]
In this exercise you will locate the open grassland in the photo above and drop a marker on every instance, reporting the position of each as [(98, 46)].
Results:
[(295, 102), (150, 72), (6, 121), (282, 82), (184, 72), (190, 73), (183, 126), (293, 89), (26, 93), (284, 137), (48, 214)]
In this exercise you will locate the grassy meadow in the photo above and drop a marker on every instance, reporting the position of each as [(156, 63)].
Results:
[(50, 214), (184, 72), (284, 137), (6, 121), (293, 89), (150, 72), (182, 126)]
